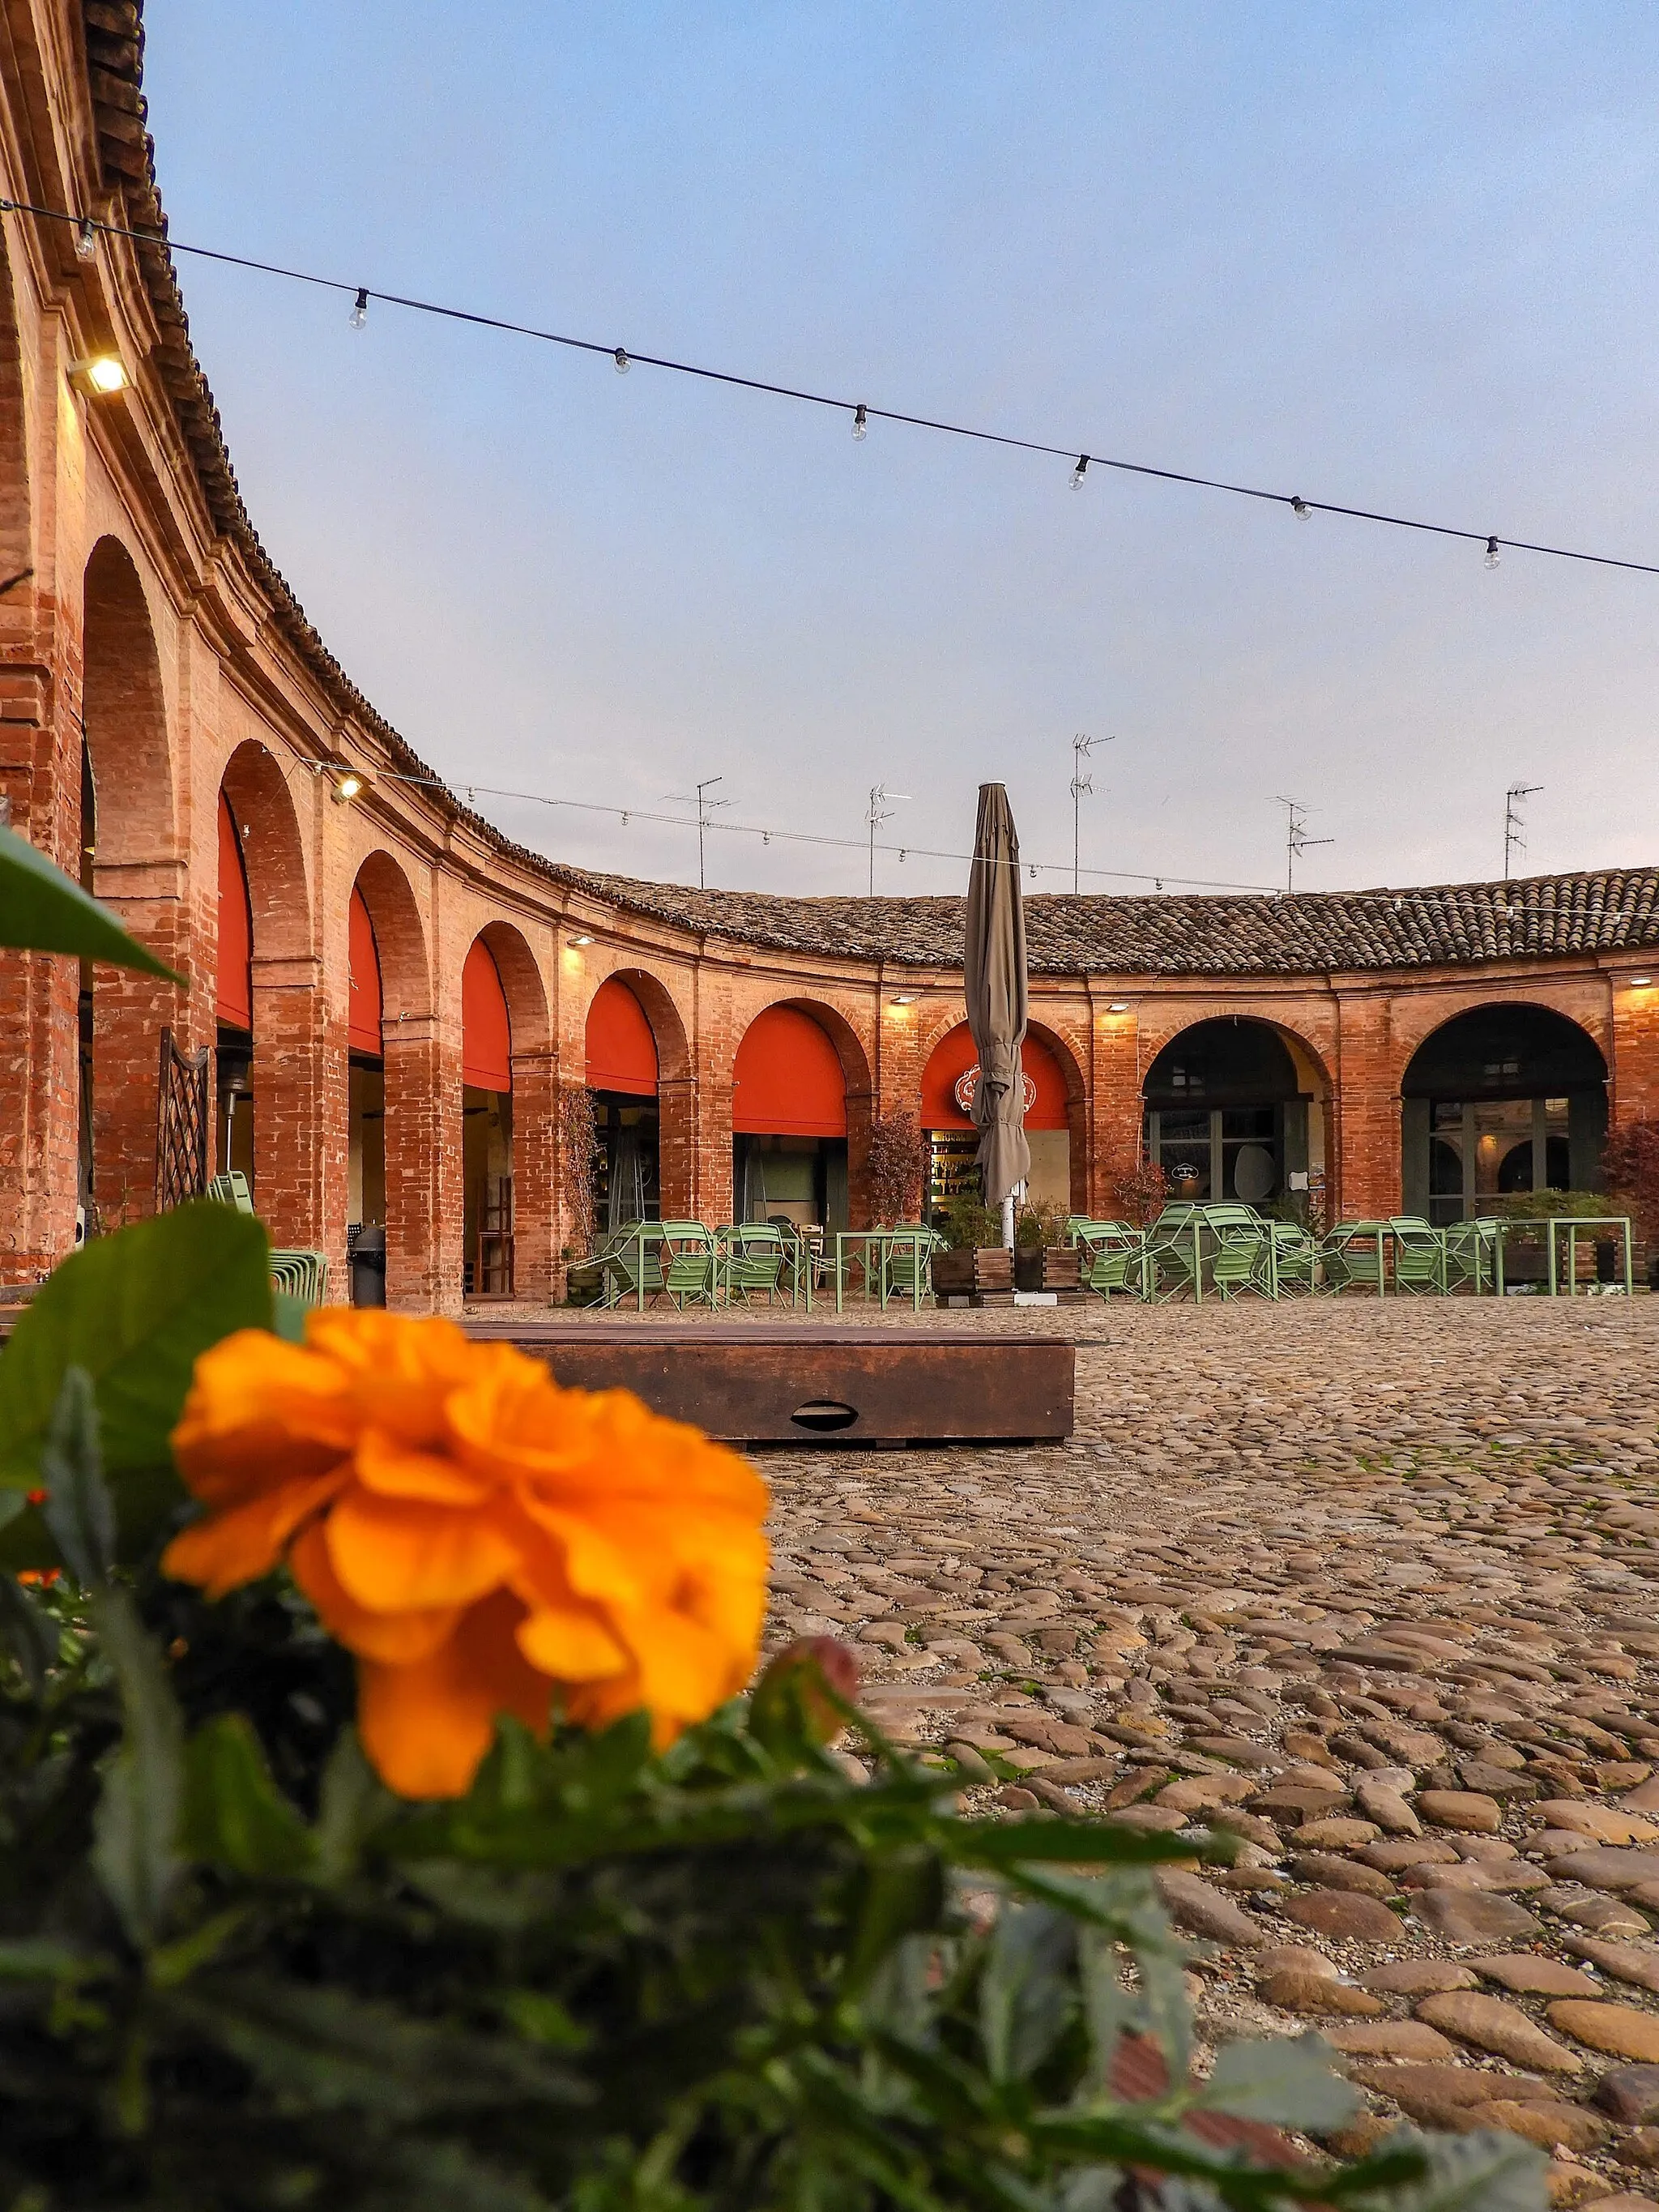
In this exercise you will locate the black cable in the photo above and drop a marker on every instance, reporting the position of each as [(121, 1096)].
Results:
[(860, 409)]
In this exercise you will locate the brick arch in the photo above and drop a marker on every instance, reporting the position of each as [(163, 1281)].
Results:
[(678, 1164), (1417, 1019), (1064, 1053), (1320, 1141), (422, 1071), (141, 869), (290, 1131), (857, 1074), (536, 1232)]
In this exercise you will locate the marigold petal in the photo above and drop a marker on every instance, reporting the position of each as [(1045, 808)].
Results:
[(570, 1646), (243, 1542), (427, 1726), (397, 1639), (685, 1670), (397, 1469), (391, 1554), (590, 1562), (260, 1412)]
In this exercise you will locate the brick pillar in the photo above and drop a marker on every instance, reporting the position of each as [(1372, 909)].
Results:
[(423, 1168), (1114, 1108), (129, 1012), (1633, 1091), (538, 1228), (1362, 1152), (300, 1111)]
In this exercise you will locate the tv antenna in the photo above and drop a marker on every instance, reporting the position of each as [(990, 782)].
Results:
[(1082, 747), (877, 812), (1514, 823), (705, 807), (1297, 840)]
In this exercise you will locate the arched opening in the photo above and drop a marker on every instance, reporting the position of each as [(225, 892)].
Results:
[(789, 1123), (1500, 1100), (947, 1091), (486, 1129), (233, 1001), (137, 868), (419, 1277), (365, 1080), (1228, 1113), (624, 1071)]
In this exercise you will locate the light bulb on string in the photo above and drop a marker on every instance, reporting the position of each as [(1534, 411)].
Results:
[(1494, 558), (620, 357), (1079, 472), (1301, 510), (359, 314), (86, 240), (861, 422)]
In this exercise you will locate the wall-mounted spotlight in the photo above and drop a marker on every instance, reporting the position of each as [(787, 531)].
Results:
[(902, 998), (1118, 1006), (1640, 982), (348, 785), (100, 375), (583, 939)]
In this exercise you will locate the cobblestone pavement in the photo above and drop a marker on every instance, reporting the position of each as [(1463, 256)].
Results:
[(1373, 1586)]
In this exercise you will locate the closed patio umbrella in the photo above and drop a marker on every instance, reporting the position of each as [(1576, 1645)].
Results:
[(994, 964)]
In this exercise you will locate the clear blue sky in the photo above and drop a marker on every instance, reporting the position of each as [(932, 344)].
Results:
[(1395, 254)]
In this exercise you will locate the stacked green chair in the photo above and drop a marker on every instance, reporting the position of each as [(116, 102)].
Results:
[(1244, 1261), (631, 1259), (1420, 1258), (689, 1263), (907, 1264), (301, 1275), (1112, 1256), (752, 1259), (1355, 1255), (1471, 1250), (1296, 1259), (1173, 1259)]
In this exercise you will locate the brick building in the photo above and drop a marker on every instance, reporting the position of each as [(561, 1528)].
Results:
[(395, 1000)]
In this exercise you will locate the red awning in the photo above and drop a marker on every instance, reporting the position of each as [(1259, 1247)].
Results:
[(486, 1033), (942, 1106), (234, 980), (363, 1017), (622, 1051), (788, 1079)]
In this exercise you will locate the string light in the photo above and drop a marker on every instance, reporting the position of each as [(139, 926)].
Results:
[(861, 422), (861, 410), (1300, 509), (1079, 472), (1494, 559), (623, 362), (86, 240)]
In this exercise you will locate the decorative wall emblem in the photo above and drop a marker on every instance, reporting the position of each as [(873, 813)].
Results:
[(963, 1092)]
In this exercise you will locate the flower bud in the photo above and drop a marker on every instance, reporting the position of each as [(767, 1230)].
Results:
[(792, 1701)]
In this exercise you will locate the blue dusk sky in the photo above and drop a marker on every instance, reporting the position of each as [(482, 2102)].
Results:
[(1398, 256)]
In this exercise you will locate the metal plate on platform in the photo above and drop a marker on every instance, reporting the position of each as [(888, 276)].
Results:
[(816, 1383)]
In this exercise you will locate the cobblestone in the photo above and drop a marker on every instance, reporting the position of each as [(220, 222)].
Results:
[(1371, 1584)]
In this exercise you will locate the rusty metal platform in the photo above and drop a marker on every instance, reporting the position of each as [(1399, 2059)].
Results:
[(815, 1383)]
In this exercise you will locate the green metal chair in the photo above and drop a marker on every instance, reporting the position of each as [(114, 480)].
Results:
[(1471, 1249), (1244, 1262), (751, 1257), (1420, 1258), (1296, 1259), (631, 1259), (1112, 1256), (1355, 1256), (689, 1263), (907, 1263), (1174, 1253), (301, 1275)]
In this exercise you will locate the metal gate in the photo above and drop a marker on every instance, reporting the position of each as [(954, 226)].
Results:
[(181, 1124)]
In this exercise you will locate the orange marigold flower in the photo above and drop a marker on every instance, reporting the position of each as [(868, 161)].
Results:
[(484, 1540)]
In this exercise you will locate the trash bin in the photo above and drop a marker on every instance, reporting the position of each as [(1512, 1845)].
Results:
[(368, 1267)]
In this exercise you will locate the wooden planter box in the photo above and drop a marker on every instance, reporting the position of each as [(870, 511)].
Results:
[(1047, 1267), (987, 1272)]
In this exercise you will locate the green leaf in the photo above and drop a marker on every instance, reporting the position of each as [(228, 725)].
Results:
[(134, 1309), (135, 1848), (1484, 2172), (902, 1891), (234, 1815), (28, 1632), (1289, 2081), (43, 910), (1026, 1994), (352, 1803), (79, 1512)]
